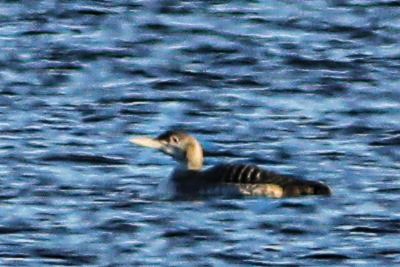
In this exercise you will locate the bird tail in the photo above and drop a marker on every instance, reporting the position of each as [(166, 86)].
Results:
[(307, 188)]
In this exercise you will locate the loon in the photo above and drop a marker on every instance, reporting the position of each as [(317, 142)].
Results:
[(189, 180)]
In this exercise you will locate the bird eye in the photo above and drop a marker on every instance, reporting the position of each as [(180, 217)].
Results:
[(174, 139)]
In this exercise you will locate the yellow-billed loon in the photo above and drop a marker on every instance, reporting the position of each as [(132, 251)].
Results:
[(189, 180)]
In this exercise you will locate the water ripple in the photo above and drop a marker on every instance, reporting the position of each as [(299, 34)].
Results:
[(307, 89)]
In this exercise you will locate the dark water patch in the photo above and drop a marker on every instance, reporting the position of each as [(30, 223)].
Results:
[(14, 255), (7, 147), (65, 256), (62, 66), (201, 77), (53, 121), (370, 217), (360, 129), (373, 230), (210, 107), (237, 61), (11, 131), (85, 55), (202, 114), (210, 49), (364, 57), (272, 248), (267, 226), (330, 88), (15, 229), (176, 8), (286, 91), (191, 234), (326, 256), (361, 78), (141, 113), (40, 17), (148, 40), (83, 159), (387, 253), (15, 226), (368, 4), (369, 225), (97, 118), (84, 11), (387, 141), (309, 63), (259, 20), (226, 11), (54, 79), (118, 225), (94, 54), (332, 155), (246, 82), (7, 195), (22, 130), (157, 27), (139, 100), (199, 30), (293, 231), (355, 32), (86, 109), (82, 132), (38, 32), (93, 12), (394, 190), (10, 91), (133, 72), (168, 84), (158, 220)]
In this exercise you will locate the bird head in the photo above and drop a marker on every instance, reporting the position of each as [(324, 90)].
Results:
[(181, 146)]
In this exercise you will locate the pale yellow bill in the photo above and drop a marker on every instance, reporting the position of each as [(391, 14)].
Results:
[(146, 142)]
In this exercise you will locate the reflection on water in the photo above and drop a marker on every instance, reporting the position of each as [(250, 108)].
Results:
[(309, 89)]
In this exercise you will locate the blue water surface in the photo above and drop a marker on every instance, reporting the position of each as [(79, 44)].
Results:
[(307, 88)]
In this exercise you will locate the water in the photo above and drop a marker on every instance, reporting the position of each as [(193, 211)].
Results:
[(309, 89)]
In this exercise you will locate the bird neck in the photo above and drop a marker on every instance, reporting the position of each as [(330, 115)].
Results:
[(194, 156)]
